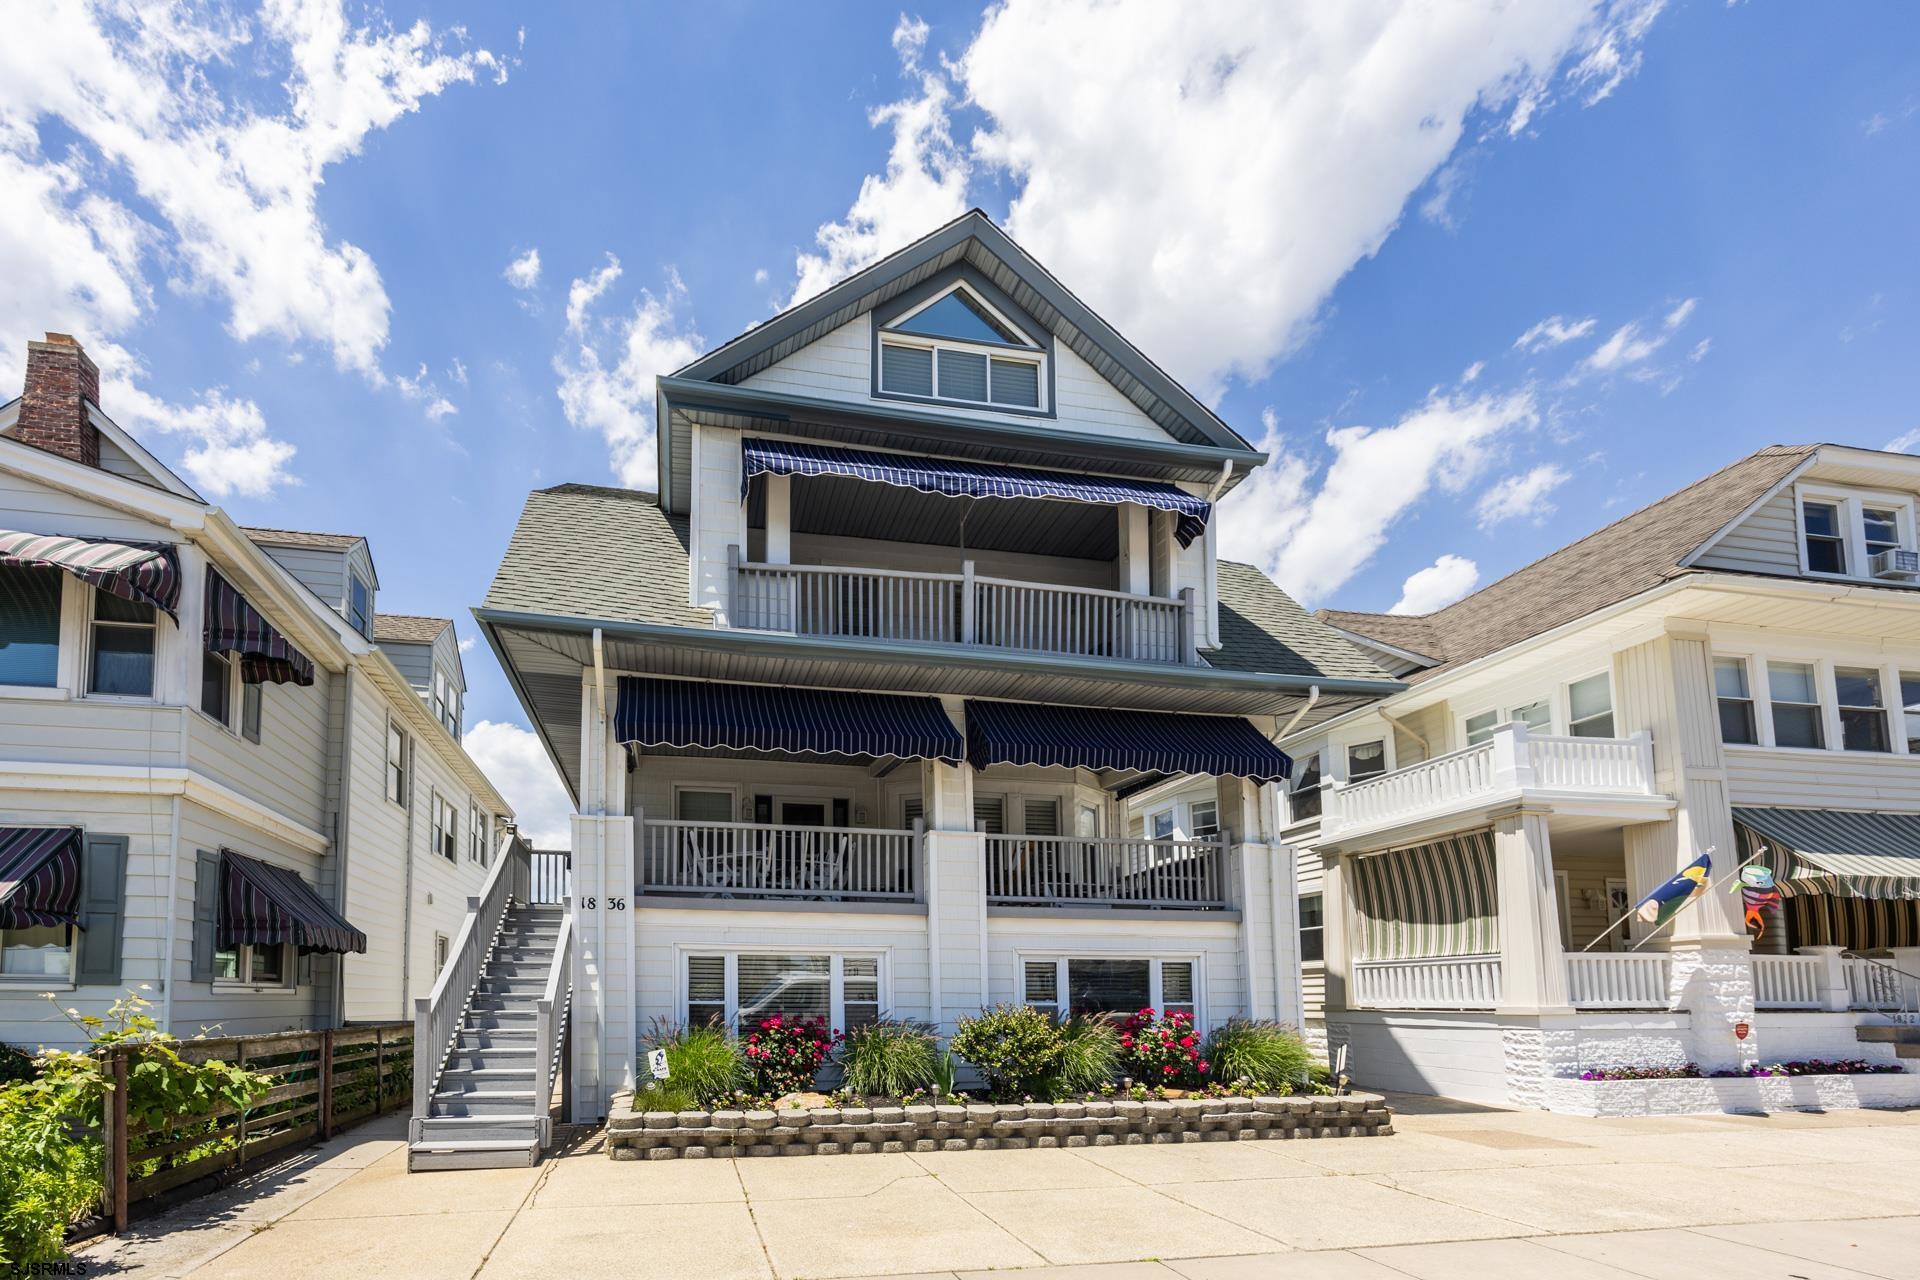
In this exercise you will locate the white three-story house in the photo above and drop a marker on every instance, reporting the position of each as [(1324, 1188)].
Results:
[(216, 785), (852, 705)]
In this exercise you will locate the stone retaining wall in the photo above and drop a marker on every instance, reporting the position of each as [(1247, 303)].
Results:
[(668, 1135)]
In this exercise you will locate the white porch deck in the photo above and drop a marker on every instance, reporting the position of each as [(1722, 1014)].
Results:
[(1586, 777)]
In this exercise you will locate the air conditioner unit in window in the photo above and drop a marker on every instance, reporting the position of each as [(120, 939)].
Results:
[(1896, 562)]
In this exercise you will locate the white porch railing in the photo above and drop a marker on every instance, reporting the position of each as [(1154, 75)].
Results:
[(1512, 761), (961, 608), (1623, 980), (1075, 870), (1437, 982), (1875, 985), (437, 1016), (551, 1013), (764, 860), (1788, 982)]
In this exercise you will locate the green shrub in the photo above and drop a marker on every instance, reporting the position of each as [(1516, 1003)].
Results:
[(890, 1059), (666, 1095), (703, 1063), (1268, 1054), (1016, 1048), (1090, 1055)]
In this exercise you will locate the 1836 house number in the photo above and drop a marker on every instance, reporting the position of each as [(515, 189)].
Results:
[(613, 904)]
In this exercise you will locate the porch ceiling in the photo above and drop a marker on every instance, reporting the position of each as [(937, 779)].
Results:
[(545, 657), (841, 507)]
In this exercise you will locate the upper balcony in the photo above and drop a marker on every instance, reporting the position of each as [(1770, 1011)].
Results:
[(1585, 777)]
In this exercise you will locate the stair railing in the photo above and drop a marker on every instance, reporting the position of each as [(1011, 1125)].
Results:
[(549, 1016), (436, 1017), (1902, 1008)]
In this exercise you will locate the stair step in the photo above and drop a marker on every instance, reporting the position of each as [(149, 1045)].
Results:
[(431, 1158), (495, 1038), (488, 1059), (489, 1102), (518, 1128), (1885, 1034), (485, 1075)]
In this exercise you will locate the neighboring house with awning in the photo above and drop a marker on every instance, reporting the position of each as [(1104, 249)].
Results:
[(1734, 668), (850, 704), (216, 781)]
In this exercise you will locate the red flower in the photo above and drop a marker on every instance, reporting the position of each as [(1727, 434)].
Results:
[(1186, 1042)]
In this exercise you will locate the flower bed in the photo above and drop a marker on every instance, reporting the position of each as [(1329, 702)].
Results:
[(669, 1135), (1788, 1086), (1818, 1067)]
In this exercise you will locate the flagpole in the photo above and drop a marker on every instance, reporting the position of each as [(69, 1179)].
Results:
[(1628, 914), (1708, 888)]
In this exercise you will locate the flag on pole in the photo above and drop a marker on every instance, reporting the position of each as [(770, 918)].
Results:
[(1758, 892), (1664, 902)]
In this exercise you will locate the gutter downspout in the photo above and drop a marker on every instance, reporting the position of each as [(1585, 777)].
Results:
[(599, 667), (170, 963), (1226, 474), (1313, 696), (1426, 748)]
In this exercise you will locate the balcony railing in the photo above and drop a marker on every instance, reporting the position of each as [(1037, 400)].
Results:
[(1512, 761), (1056, 871), (961, 608), (763, 860), (1627, 980), (1434, 982)]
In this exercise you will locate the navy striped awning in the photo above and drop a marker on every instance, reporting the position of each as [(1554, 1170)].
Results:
[(970, 479), (1099, 738), (39, 876), (752, 717), (234, 626), (1841, 853), (271, 906), (142, 574)]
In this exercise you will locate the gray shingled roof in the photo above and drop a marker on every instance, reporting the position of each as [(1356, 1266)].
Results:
[(591, 552), (302, 538), (408, 628), (1633, 554)]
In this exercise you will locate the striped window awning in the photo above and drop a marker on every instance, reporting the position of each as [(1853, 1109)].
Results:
[(39, 877), (751, 717), (970, 479), (1102, 738), (1430, 900), (234, 626), (269, 906), (1838, 852), (144, 575)]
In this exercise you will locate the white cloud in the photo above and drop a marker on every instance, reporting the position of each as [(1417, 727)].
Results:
[(1904, 442), (1678, 316), (1700, 350), (1521, 497), (516, 763), (524, 271), (163, 172), (421, 388), (1472, 372), (458, 371), (1553, 332), (925, 183), (1625, 347), (1438, 585), (230, 451), (1313, 540), (608, 367)]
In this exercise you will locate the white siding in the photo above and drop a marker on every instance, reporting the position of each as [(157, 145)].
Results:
[(32, 507), (839, 366), (287, 769), (1768, 541), (1823, 779)]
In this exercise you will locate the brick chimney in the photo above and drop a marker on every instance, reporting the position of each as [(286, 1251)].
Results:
[(61, 381)]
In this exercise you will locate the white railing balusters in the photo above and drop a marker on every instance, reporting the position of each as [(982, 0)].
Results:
[(766, 860), (1433, 982), (1025, 870), (1787, 982), (1622, 980)]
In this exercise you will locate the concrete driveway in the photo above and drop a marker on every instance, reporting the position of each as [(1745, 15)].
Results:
[(1457, 1192)]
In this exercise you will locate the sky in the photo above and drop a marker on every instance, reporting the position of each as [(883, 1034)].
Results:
[(1481, 276)]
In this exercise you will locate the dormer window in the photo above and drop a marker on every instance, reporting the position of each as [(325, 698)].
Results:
[(1857, 535), (359, 605), (958, 347)]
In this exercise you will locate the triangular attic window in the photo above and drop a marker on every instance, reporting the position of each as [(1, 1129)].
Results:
[(958, 316)]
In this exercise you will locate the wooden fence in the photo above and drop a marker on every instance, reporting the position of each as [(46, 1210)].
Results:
[(323, 1081)]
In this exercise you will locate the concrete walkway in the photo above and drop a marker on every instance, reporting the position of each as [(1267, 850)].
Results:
[(1458, 1192)]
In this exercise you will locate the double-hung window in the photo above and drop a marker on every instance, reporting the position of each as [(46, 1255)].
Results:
[(1880, 530), (216, 685), (1203, 820), (360, 605), (1590, 707), (1823, 526), (1910, 710), (1069, 986), (1312, 928), (399, 765), (1366, 760), (1795, 703), (1863, 714), (1735, 700), (477, 836), (248, 965), (120, 652), (29, 626), (959, 347), (1842, 532), (446, 828), (742, 989), (1160, 826), (1303, 797)]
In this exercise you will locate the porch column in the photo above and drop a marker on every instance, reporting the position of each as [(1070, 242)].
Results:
[(1533, 968), (1835, 997), (1134, 562), (1336, 950), (779, 519), (605, 1012), (956, 890)]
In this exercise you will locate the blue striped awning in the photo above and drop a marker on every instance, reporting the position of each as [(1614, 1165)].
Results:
[(271, 906), (754, 717), (1838, 852), (970, 479), (39, 876), (234, 626), (142, 574), (1099, 738)]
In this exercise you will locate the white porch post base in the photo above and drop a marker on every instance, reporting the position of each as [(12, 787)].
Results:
[(1835, 997), (1533, 966), (1713, 982), (604, 995)]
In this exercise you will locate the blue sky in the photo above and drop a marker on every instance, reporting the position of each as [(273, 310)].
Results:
[(1482, 279)]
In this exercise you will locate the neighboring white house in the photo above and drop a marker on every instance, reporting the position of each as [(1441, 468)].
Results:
[(214, 783), (1733, 668), (851, 706)]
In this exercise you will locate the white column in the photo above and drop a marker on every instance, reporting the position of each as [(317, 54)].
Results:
[(1134, 563), (605, 1011), (779, 519), (1834, 995), (1336, 934), (956, 889), (1533, 969)]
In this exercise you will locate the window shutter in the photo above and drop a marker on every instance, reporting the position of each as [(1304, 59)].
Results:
[(206, 915), (103, 883)]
